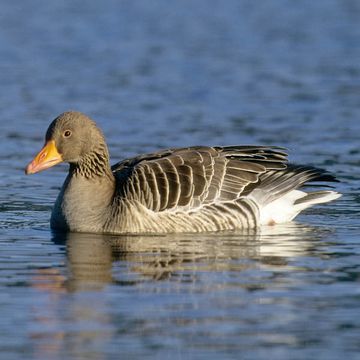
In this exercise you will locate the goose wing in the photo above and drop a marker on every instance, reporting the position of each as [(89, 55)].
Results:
[(186, 178)]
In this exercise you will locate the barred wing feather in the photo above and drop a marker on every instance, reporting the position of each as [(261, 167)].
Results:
[(187, 178)]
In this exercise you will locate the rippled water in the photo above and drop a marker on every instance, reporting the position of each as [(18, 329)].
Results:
[(166, 73)]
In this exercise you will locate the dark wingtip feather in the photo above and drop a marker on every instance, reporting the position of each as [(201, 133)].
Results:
[(316, 174)]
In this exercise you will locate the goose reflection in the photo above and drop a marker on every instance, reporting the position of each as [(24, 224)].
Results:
[(94, 260)]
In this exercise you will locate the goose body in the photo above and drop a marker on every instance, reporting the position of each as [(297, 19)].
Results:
[(194, 189)]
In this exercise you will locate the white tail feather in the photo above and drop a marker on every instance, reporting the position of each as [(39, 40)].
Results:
[(291, 204)]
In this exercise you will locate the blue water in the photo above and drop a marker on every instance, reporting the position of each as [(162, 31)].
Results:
[(163, 73)]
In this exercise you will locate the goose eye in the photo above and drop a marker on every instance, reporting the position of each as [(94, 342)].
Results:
[(67, 133)]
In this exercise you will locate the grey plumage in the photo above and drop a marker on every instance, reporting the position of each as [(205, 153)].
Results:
[(176, 190)]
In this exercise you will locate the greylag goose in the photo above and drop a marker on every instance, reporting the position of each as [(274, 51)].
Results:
[(194, 189)]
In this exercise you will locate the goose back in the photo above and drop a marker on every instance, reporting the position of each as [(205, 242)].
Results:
[(187, 178)]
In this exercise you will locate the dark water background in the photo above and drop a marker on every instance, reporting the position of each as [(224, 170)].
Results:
[(170, 73)]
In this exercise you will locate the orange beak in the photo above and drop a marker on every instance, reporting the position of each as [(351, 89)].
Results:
[(47, 157)]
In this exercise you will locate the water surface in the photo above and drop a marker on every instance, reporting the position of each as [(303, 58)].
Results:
[(166, 73)]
